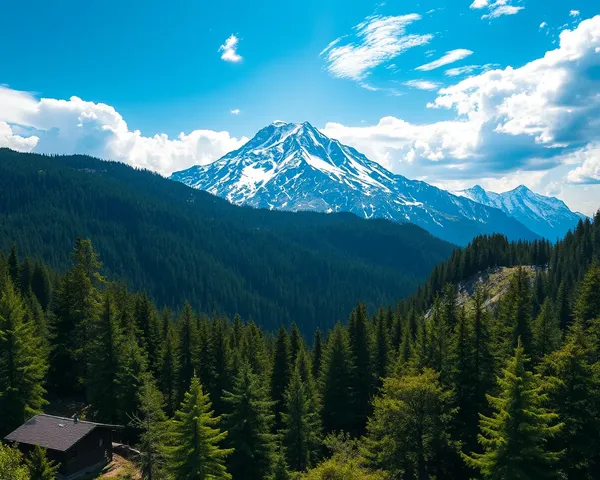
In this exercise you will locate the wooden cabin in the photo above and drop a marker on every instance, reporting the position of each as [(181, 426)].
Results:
[(79, 447)]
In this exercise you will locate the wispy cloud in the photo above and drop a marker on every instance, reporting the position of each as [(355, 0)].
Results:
[(496, 9), (450, 57), (574, 13), (235, 111), (543, 25), (423, 84), (229, 49), (376, 40), (457, 71)]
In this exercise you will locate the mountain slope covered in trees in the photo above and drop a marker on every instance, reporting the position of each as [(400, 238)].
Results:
[(182, 244), (464, 393)]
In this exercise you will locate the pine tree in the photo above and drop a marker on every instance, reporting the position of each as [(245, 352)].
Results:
[(518, 311), (515, 437), (281, 469), (587, 305), (317, 354), (14, 267), (439, 339), (105, 363), (219, 358), (336, 382), (254, 350), (249, 426), (296, 343), (38, 465), (574, 393), (196, 454), (154, 429), (483, 360), (41, 286), (22, 364), (280, 376), (188, 349), (382, 349), (546, 331), (169, 368), (301, 431), (131, 376), (78, 304), (362, 371), (409, 432), (147, 323)]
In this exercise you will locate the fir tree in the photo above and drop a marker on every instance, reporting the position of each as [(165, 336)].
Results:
[(574, 393), (249, 427), (14, 267), (409, 432), (317, 353), (362, 371), (382, 347), (11, 464), (153, 426), (188, 345), (106, 362), (147, 323), (587, 305), (296, 343), (167, 377), (196, 454), (132, 374), (280, 376), (515, 437), (546, 331), (38, 465), (41, 286), (22, 363), (219, 358), (301, 431), (336, 382)]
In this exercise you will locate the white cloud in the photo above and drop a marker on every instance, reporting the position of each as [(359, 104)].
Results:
[(377, 40), (480, 4), (496, 9), (422, 84), (543, 25), (589, 169), (450, 57), (510, 123), (235, 111), (457, 71), (76, 126), (229, 49), (574, 13)]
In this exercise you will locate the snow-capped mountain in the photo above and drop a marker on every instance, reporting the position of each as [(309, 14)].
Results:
[(549, 217), (295, 167)]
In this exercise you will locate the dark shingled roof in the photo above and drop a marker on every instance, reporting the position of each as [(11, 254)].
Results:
[(55, 433)]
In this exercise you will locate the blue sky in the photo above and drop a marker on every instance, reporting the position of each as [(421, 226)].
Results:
[(167, 85)]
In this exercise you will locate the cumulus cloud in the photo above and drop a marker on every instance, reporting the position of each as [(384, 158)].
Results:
[(529, 120), (235, 111), (496, 9), (76, 126), (229, 49), (423, 84), (376, 40), (450, 57)]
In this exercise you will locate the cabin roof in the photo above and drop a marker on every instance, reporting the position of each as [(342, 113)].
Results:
[(55, 433)]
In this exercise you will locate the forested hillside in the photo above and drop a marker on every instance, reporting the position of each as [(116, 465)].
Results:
[(464, 393), (181, 244)]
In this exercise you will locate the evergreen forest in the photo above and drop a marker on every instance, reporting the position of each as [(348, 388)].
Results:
[(425, 388)]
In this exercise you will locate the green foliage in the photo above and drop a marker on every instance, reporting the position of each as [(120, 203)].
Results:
[(11, 464), (546, 331), (196, 454), (336, 382), (515, 437), (362, 372), (249, 427), (38, 465), (155, 433), (280, 377), (181, 244), (301, 424), (23, 364), (409, 432)]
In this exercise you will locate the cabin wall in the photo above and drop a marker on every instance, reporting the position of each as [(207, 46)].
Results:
[(94, 448)]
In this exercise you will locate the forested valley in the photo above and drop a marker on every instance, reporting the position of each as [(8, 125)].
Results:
[(179, 244), (424, 389)]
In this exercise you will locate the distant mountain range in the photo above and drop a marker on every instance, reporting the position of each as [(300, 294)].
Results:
[(549, 217), (295, 167)]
